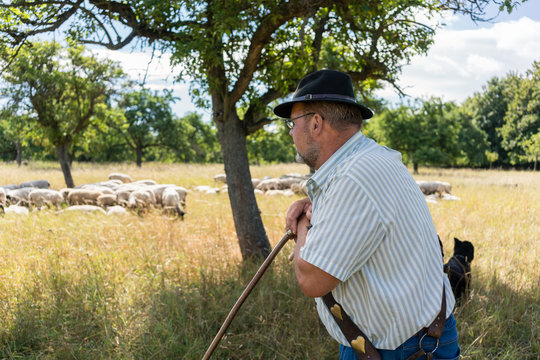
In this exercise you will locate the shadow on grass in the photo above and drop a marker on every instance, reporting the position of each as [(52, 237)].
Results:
[(65, 317), (68, 316), (498, 322)]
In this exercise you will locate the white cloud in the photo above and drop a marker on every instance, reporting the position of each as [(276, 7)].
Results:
[(460, 62)]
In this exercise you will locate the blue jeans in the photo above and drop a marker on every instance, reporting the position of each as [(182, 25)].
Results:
[(448, 346)]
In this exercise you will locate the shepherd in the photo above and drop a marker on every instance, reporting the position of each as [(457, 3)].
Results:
[(366, 246)]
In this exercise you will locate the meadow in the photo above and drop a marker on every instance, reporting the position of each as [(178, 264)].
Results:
[(88, 286)]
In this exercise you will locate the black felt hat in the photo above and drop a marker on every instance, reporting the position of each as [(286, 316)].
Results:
[(323, 85)]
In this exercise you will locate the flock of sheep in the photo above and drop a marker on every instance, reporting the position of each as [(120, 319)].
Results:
[(121, 193), (113, 196)]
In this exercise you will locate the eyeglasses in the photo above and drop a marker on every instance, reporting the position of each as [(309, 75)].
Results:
[(290, 122)]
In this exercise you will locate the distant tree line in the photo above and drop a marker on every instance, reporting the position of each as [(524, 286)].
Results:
[(499, 126)]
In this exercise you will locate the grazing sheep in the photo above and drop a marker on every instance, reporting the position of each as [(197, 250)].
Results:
[(300, 188), (45, 197), (171, 202), (269, 184), (86, 208), (116, 210), (221, 178), (258, 192), (41, 184), (255, 182), (450, 197), (158, 191), (142, 199), (16, 209), (182, 192), (119, 176), (145, 182), (286, 192), (106, 200), (65, 192), (19, 196), (95, 187), (431, 187), (206, 189), (83, 197), (9, 187), (287, 183)]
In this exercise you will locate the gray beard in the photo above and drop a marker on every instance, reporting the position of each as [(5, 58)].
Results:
[(310, 158)]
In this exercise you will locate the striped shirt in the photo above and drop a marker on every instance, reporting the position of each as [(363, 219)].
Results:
[(372, 229)]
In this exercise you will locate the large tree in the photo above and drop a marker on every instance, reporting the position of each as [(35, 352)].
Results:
[(64, 87), (246, 54)]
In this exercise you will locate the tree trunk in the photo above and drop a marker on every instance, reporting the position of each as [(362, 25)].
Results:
[(63, 159), (415, 168), (139, 155), (247, 216), (18, 157)]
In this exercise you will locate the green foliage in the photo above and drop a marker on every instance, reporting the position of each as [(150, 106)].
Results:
[(271, 144), (522, 120), (425, 136)]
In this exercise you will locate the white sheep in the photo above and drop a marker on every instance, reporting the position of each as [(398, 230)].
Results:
[(16, 209), (142, 199), (300, 188), (116, 210), (145, 182), (158, 191), (19, 196), (86, 208), (269, 184), (119, 176), (171, 202), (286, 192), (431, 187), (220, 178), (206, 189), (83, 197), (45, 197), (106, 200)]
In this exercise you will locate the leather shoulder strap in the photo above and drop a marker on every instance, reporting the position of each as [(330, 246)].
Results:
[(363, 348)]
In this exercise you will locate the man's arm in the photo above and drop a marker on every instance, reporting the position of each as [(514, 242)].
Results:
[(313, 281)]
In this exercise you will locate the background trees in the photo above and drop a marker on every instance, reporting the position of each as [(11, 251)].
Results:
[(64, 89)]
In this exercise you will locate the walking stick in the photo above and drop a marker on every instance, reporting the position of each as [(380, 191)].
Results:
[(289, 235)]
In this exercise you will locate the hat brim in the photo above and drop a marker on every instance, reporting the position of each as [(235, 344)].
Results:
[(284, 110)]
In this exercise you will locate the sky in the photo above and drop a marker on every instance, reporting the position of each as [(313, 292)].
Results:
[(462, 59)]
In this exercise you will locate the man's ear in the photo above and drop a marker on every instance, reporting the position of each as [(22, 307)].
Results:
[(316, 124)]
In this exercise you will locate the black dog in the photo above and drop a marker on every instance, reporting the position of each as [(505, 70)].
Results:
[(458, 268)]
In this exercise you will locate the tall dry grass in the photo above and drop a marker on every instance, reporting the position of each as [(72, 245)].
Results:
[(80, 286)]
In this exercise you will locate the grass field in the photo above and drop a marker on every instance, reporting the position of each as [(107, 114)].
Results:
[(81, 286)]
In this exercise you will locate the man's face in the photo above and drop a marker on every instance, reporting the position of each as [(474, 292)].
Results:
[(306, 147)]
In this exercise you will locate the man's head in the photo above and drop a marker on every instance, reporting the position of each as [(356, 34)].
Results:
[(322, 115)]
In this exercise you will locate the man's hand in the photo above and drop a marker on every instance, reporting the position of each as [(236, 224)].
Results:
[(296, 210)]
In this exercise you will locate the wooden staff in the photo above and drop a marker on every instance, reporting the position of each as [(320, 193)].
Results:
[(289, 235)]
